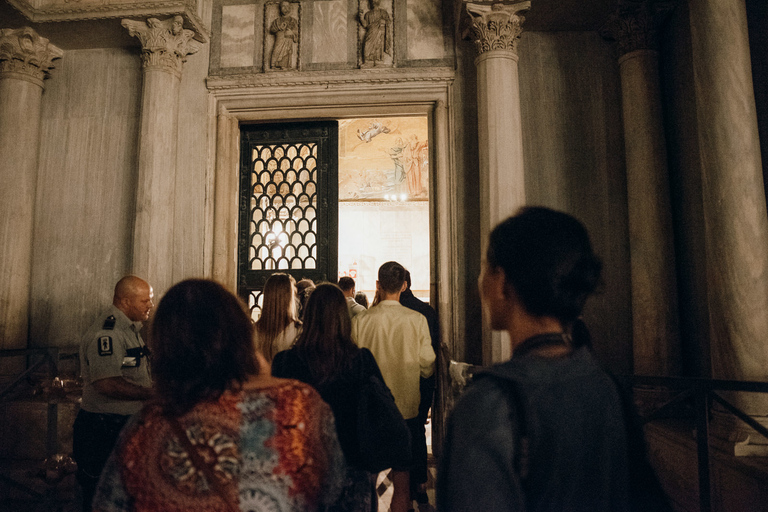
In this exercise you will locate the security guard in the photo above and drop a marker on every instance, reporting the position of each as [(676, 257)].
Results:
[(116, 379)]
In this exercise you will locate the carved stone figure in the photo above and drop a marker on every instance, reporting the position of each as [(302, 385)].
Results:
[(164, 43), (378, 34), (286, 30)]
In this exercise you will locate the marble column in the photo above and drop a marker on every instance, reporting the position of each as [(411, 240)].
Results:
[(495, 30), (25, 61), (165, 46), (226, 207), (735, 218), (656, 335)]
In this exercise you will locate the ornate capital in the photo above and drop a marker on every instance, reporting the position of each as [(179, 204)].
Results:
[(496, 26), (636, 23), (164, 44), (26, 54)]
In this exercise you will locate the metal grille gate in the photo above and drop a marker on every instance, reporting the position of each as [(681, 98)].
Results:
[(288, 205)]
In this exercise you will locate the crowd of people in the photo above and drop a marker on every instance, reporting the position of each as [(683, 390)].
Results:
[(278, 414)]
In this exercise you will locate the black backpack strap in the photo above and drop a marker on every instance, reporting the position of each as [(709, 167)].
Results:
[(518, 421)]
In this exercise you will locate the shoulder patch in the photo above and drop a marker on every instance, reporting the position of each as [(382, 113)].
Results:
[(109, 323), (105, 346)]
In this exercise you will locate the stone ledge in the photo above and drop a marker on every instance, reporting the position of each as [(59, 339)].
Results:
[(115, 9), (355, 77)]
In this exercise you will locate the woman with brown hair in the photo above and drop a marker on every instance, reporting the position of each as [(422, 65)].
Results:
[(325, 357), (278, 325), (222, 434)]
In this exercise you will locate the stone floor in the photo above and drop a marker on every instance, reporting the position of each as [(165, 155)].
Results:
[(24, 488), (384, 490)]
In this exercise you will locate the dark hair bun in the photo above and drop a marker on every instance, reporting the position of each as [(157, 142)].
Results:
[(547, 257)]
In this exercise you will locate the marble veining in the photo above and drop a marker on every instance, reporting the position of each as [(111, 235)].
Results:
[(238, 35)]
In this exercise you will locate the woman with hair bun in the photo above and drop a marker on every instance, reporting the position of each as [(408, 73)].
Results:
[(544, 430)]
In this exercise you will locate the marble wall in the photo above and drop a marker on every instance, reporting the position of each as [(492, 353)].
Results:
[(86, 187), (85, 192), (574, 161)]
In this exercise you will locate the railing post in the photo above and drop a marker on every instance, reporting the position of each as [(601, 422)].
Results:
[(702, 446)]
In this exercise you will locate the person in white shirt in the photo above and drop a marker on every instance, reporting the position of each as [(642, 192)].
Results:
[(399, 339), (347, 285)]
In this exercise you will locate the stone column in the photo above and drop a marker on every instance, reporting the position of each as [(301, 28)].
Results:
[(25, 60), (165, 46), (226, 207), (736, 222), (495, 30), (656, 336)]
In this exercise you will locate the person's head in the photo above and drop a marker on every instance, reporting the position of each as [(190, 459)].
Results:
[(347, 285), (285, 8), (325, 339), (133, 296), (177, 26), (391, 279), (362, 299), (303, 289), (407, 280), (278, 309), (202, 344), (543, 259)]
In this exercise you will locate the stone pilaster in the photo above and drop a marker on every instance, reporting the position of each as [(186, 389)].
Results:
[(736, 222), (656, 336), (226, 214), (25, 61), (495, 30), (165, 47)]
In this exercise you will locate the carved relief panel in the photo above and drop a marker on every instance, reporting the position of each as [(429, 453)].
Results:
[(282, 36), (376, 33), (252, 37)]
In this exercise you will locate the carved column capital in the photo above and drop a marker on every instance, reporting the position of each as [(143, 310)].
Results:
[(26, 55), (635, 24), (496, 26), (164, 44)]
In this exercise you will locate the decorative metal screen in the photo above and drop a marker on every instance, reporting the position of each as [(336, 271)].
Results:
[(288, 204)]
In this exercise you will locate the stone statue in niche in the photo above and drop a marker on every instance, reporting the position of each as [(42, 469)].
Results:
[(377, 41), (286, 30)]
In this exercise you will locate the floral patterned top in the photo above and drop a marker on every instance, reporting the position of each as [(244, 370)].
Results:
[(275, 450)]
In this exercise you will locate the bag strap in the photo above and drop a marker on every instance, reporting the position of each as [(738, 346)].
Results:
[(516, 402), (199, 463)]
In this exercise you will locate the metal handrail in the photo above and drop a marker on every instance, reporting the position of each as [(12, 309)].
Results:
[(702, 392), (51, 359)]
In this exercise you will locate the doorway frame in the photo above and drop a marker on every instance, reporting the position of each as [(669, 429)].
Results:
[(299, 96)]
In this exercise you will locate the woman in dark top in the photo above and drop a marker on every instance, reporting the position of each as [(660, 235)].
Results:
[(325, 357), (544, 430)]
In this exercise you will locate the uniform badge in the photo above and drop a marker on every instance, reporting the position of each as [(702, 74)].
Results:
[(109, 323), (105, 346)]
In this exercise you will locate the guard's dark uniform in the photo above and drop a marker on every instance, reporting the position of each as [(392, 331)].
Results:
[(112, 347)]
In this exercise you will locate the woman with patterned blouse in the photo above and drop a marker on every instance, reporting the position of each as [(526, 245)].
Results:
[(253, 442)]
